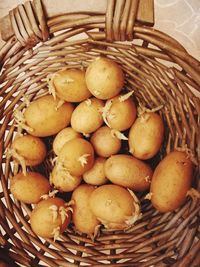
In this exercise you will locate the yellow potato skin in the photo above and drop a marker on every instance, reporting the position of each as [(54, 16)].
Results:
[(112, 204), (83, 218), (30, 187), (71, 153), (104, 143), (63, 137), (121, 115), (127, 171), (87, 118), (171, 181), (70, 85), (104, 78), (43, 116), (96, 175), (146, 136), (41, 218), (64, 181), (31, 148)]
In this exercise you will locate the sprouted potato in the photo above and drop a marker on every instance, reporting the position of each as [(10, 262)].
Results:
[(105, 143), (96, 175), (63, 137), (87, 117), (69, 85), (104, 78), (45, 116), (128, 171), (30, 187), (146, 136), (115, 206), (50, 217), (62, 180), (120, 112), (171, 181), (83, 218), (28, 149), (77, 156)]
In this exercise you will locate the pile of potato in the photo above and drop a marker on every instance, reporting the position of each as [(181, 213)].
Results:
[(91, 118)]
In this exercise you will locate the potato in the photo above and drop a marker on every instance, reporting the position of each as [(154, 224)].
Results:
[(87, 116), (62, 180), (30, 187), (96, 175), (50, 218), (114, 206), (127, 171), (77, 156), (171, 181), (146, 136), (104, 142), (83, 218), (63, 137), (29, 148), (120, 112), (104, 78), (45, 118), (70, 85)]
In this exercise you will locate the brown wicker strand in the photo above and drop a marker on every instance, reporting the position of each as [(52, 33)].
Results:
[(131, 19), (12, 61), (32, 38), (187, 243), (66, 17), (182, 225), (185, 262), (196, 261), (119, 5), (6, 47), (20, 24), (31, 17), (16, 47), (81, 22), (39, 11), (109, 16), (25, 26), (124, 19), (16, 28)]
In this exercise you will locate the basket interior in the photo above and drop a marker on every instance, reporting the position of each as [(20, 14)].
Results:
[(155, 69)]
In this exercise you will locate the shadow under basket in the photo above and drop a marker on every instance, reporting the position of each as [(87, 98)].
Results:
[(161, 73)]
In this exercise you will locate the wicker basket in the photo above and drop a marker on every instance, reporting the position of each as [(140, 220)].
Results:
[(160, 71)]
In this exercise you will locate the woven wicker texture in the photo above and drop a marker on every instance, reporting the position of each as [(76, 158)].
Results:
[(160, 72)]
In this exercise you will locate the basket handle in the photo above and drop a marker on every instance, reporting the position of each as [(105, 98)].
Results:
[(28, 21)]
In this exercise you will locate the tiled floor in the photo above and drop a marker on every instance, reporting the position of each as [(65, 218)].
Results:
[(179, 18)]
